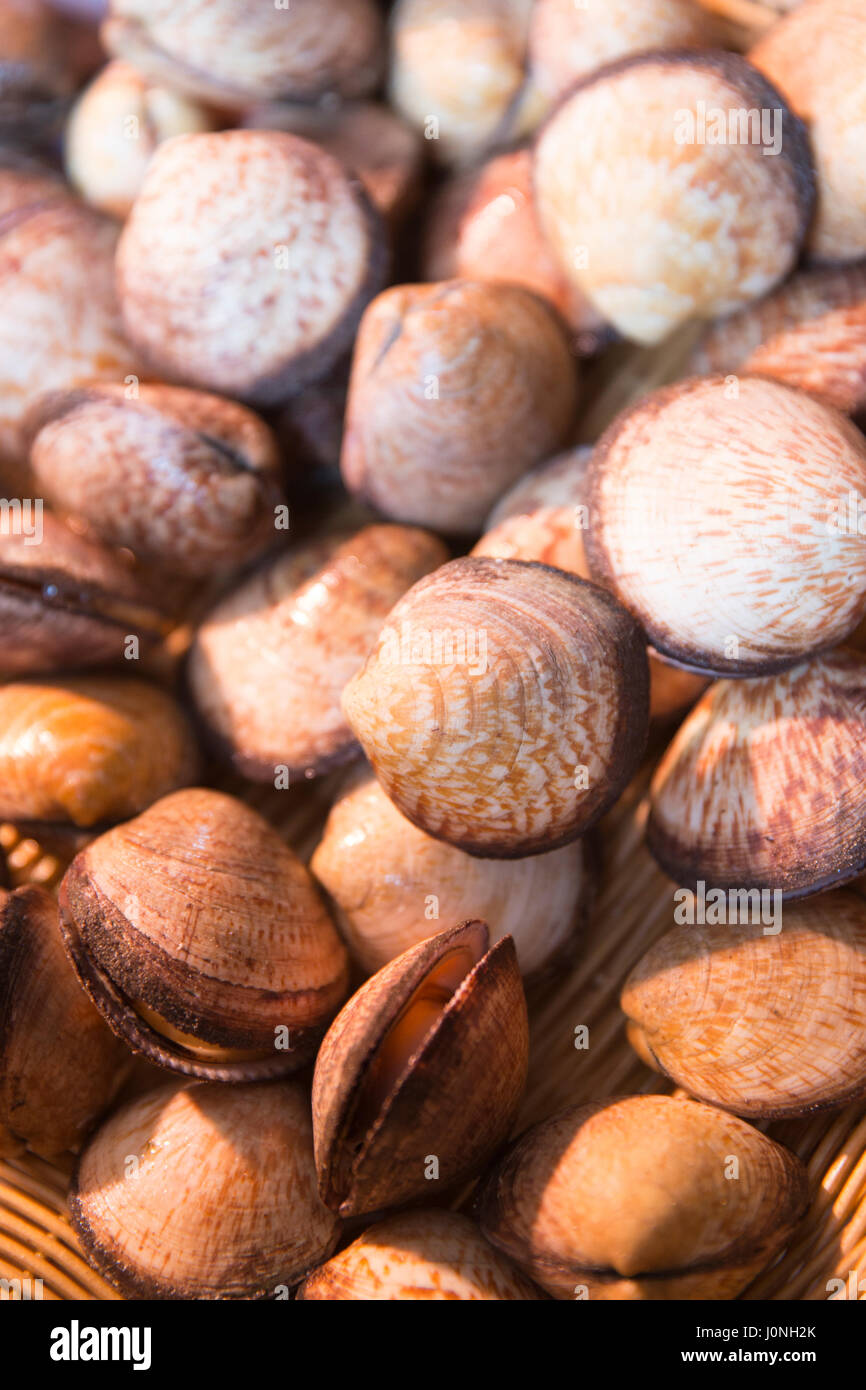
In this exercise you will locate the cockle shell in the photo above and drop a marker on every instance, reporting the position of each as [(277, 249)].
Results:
[(504, 706), (89, 749), (419, 1077), (393, 886), (59, 1064), (270, 661), (203, 940), (648, 1197), (456, 390), (630, 196), (763, 784), (207, 1192), (419, 1256), (764, 1020), (720, 519)]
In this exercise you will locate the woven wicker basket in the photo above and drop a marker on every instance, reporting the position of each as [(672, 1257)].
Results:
[(634, 907)]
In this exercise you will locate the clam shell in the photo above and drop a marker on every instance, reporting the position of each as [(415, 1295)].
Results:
[(208, 1192), (428, 1256), (89, 749), (457, 1093), (198, 912), (270, 661), (504, 706), (747, 487), (59, 1064), (633, 1199), (763, 784), (761, 1024), (186, 480), (393, 886), (612, 177), (456, 390)]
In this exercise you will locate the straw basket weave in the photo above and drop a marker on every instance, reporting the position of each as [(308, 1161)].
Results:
[(633, 909)]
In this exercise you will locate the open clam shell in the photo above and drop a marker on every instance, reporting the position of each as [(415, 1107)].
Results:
[(648, 1197), (418, 1079), (203, 940), (763, 784), (762, 1019)]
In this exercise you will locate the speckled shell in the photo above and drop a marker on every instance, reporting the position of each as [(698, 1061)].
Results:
[(293, 252), (269, 663), (187, 480), (95, 748), (764, 1019), (59, 1064), (457, 1096), (67, 602), (198, 911), (568, 41), (366, 136), (763, 785), (419, 1256), (504, 706), (636, 1199), (815, 58), (456, 390), (393, 886), (234, 55), (115, 127), (719, 518), (60, 322), (208, 1192), (629, 206), (486, 228), (460, 64)]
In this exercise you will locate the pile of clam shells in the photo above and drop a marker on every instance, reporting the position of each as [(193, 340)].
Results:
[(306, 309)]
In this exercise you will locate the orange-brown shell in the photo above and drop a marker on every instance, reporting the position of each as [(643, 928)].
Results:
[(648, 1197), (89, 749), (630, 196), (764, 1015), (207, 1192), (719, 518), (419, 1256), (59, 1064), (504, 706), (198, 912), (456, 390), (457, 1095), (763, 784), (187, 480), (269, 663)]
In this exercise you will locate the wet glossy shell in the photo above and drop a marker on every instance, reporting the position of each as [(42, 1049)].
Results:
[(59, 1064), (419, 1256), (236, 55), (186, 480), (629, 196), (815, 57), (269, 663), (456, 1097), (764, 1017), (90, 749), (294, 251), (809, 333), (763, 784), (720, 519), (648, 1197), (393, 886), (457, 389), (504, 706), (208, 1192), (199, 912)]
